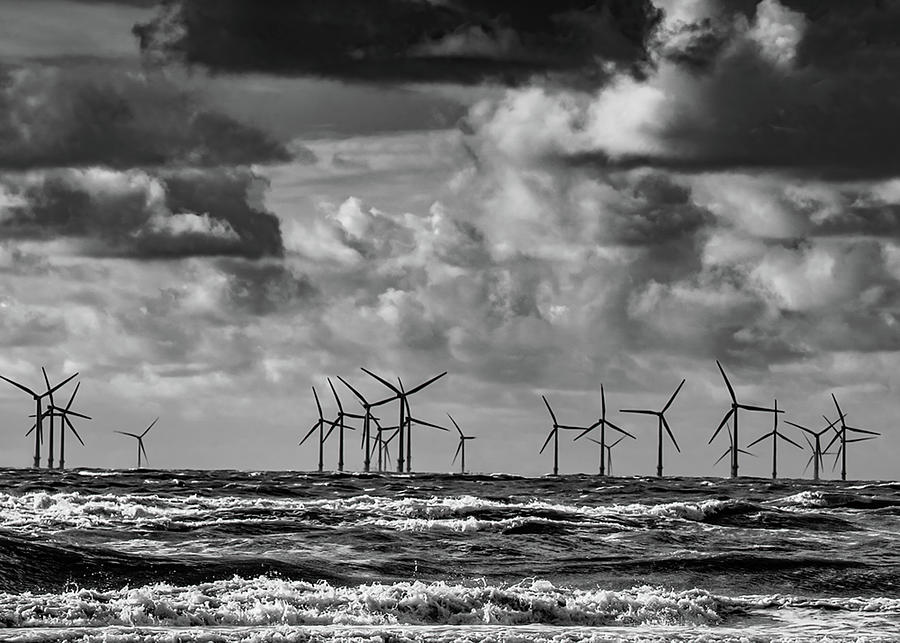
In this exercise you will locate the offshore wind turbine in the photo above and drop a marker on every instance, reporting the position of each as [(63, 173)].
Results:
[(461, 448), (775, 435), (410, 420), (37, 397), (735, 408), (367, 424), (63, 414), (603, 423), (730, 448), (402, 396), (554, 435), (607, 450), (661, 423), (320, 425), (140, 442), (339, 423), (816, 447), (842, 435)]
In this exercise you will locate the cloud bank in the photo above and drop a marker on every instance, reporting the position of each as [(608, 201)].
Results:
[(460, 41)]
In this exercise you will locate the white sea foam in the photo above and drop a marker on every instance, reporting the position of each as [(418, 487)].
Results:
[(266, 601), (58, 511)]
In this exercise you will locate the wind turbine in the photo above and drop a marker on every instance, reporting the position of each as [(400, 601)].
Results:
[(339, 422), (410, 420), (661, 422), (554, 435), (367, 418), (775, 435), (735, 407), (816, 458), (729, 450), (461, 449), (842, 435), (38, 436), (140, 441), (603, 423), (320, 425), (402, 396), (607, 450), (64, 414)]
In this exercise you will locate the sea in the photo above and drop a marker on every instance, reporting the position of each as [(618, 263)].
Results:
[(184, 556)]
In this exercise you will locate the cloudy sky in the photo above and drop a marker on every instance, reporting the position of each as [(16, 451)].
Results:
[(208, 206)]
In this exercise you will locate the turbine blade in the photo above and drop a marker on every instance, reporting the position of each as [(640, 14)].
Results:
[(64, 412), (669, 431), (17, 385), (71, 399), (547, 441), (722, 457), (336, 398), (602, 401), (131, 434), (808, 462), (802, 428), (750, 407), (355, 392), (143, 450), (746, 453), (721, 424), (727, 383), (758, 440), (552, 414), (639, 411), (616, 442), (619, 429), (47, 381), (809, 442), (458, 430), (584, 432), (595, 441), (428, 383), (72, 428), (383, 381), (786, 438), (672, 399), (836, 405), (424, 423), (458, 449), (862, 431), (147, 430), (60, 385), (318, 404), (836, 436), (311, 431)]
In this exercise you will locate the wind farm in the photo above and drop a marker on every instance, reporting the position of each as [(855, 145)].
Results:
[(375, 449)]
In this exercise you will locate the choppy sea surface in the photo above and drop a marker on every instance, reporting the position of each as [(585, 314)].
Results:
[(243, 556)]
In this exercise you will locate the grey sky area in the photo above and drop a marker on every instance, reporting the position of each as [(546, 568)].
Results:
[(206, 208)]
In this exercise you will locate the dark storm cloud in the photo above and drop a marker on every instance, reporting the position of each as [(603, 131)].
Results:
[(213, 212), (464, 41), (85, 116)]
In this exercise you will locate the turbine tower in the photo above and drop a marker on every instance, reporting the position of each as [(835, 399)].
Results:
[(735, 407), (554, 435), (461, 448), (661, 423), (603, 423), (842, 435), (37, 397), (775, 435), (140, 442)]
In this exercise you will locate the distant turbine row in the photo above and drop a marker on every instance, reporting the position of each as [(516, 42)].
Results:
[(51, 412), (734, 450)]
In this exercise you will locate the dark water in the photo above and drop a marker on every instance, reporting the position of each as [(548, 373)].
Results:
[(200, 555)]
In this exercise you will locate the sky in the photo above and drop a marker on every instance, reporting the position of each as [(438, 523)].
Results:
[(208, 207)]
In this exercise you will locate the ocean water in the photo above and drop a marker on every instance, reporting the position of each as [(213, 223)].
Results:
[(233, 556)]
